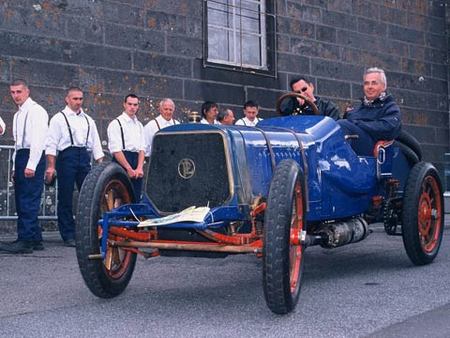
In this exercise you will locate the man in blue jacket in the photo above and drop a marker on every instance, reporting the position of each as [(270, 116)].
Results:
[(377, 118)]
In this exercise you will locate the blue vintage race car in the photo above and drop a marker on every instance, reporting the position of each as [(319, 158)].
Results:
[(273, 190)]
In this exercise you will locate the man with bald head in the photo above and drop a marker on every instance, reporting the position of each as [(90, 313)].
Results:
[(377, 118), (164, 119), (72, 140)]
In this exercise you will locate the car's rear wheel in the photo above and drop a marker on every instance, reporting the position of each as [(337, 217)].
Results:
[(283, 251), (106, 187), (423, 214)]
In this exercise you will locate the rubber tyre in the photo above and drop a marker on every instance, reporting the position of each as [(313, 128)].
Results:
[(282, 260), (411, 142), (423, 214), (103, 180), (410, 154)]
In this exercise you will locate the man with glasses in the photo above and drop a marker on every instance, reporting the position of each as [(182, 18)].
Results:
[(72, 138), (305, 87), (126, 142), (30, 126)]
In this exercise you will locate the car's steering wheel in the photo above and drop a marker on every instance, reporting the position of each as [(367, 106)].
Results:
[(288, 104)]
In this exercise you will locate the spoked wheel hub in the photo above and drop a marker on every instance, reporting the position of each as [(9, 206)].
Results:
[(429, 220), (296, 249), (284, 225), (105, 188), (422, 214), (117, 260)]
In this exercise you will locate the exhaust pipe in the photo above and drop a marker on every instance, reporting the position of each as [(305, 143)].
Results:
[(342, 233)]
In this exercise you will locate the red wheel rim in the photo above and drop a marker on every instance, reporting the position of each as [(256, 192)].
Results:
[(429, 214), (114, 195), (295, 247)]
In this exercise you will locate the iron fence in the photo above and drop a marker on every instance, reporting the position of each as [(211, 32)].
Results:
[(49, 205)]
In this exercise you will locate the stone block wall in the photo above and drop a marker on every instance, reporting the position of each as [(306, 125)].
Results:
[(154, 48)]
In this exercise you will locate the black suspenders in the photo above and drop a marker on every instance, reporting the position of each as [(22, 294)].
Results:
[(159, 127), (70, 130), (157, 124), (257, 120), (121, 133)]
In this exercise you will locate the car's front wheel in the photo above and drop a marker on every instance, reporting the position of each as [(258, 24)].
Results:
[(106, 187), (283, 251)]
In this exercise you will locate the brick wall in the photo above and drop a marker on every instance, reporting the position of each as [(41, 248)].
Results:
[(154, 48)]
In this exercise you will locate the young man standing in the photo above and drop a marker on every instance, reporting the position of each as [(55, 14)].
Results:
[(30, 126), (251, 110), (127, 144)]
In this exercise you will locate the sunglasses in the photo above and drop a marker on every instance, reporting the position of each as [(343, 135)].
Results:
[(302, 90)]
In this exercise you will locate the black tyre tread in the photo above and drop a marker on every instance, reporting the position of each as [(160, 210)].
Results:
[(88, 209), (409, 215), (410, 155), (410, 141), (276, 248)]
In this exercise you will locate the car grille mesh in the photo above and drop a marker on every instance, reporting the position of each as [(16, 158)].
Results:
[(174, 155)]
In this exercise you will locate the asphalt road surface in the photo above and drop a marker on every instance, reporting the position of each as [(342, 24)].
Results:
[(364, 289)]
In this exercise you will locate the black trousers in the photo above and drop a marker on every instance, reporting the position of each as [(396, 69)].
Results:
[(132, 158), (72, 166), (28, 193)]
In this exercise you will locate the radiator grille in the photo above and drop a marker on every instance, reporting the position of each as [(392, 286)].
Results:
[(188, 169)]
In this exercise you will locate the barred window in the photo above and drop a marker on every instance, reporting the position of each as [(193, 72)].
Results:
[(238, 33)]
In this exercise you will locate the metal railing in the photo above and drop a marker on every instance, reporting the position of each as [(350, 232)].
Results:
[(49, 204)]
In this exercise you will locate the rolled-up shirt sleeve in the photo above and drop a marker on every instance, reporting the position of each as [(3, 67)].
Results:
[(149, 133), (97, 150), (142, 139), (53, 136), (38, 133), (114, 137), (2, 126)]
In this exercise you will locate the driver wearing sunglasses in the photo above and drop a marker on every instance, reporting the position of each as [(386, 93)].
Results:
[(305, 87)]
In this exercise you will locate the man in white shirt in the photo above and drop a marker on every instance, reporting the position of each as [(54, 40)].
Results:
[(30, 126), (163, 120), (72, 137), (127, 144), (2, 126), (226, 117), (251, 110), (210, 110)]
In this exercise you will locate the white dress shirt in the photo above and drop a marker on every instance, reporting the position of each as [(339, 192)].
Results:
[(30, 125), (133, 134), (205, 121), (59, 139), (2, 126), (152, 128), (246, 122)]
